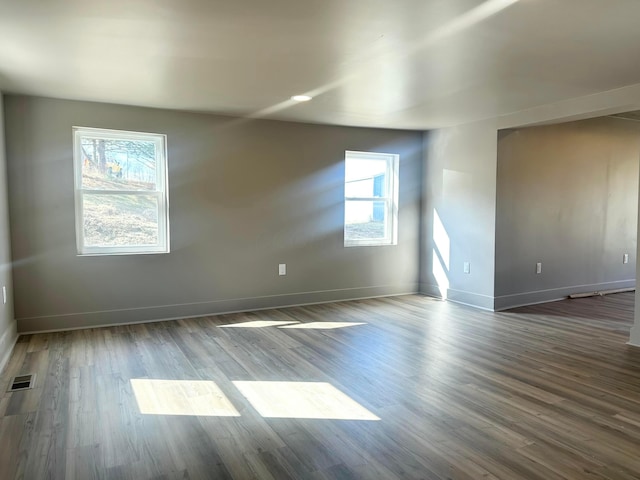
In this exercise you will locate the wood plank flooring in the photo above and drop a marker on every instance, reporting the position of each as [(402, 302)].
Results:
[(425, 390)]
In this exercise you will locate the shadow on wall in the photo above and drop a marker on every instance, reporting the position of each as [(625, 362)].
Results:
[(216, 176)]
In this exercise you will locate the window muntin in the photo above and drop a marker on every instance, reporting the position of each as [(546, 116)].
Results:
[(371, 199), (120, 192)]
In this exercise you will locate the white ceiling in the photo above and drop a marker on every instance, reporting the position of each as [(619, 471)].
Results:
[(387, 63)]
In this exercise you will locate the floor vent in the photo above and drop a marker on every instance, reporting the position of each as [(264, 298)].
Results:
[(22, 382)]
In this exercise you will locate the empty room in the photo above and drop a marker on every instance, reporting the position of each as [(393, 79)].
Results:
[(319, 240)]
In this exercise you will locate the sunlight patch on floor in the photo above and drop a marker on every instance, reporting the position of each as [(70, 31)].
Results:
[(313, 400), (182, 397), (258, 324), (324, 325)]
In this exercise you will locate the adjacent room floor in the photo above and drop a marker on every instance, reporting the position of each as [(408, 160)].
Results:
[(403, 387)]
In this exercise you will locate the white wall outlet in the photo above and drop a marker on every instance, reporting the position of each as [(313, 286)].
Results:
[(539, 267), (4, 294), (466, 267), (282, 269), (625, 258)]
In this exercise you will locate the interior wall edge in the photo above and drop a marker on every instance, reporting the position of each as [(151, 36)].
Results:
[(76, 321)]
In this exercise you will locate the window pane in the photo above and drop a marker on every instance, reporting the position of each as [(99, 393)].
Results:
[(365, 177), (118, 220), (365, 220), (118, 164)]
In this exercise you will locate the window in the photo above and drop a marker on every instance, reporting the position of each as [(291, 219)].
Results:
[(120, 192), (371, 199)]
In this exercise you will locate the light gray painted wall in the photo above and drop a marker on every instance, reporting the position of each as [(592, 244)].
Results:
[(567, 197), (8, 334), (634, 334), (245, 195), (460, 190)]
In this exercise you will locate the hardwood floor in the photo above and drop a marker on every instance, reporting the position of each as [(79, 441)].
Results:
[(419, 389)]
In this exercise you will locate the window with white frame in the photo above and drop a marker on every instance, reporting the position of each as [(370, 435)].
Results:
[(121, 193), (370, 199)]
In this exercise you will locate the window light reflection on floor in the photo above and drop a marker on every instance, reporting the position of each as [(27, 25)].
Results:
[(181, 397), (257, 324), (323, 325), (303, 400)]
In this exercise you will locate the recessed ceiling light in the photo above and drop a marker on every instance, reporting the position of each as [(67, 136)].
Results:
[(301, 98)]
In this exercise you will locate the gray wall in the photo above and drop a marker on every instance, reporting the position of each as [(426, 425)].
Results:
[(634, 334), (567, 196), (460, 191), (8, 332), (245, 195)]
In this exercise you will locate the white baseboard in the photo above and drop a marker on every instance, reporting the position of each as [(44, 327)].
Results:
[(7, 343), (634, 337), (430, 290), (75, 321), (476, 300), (505, 302)]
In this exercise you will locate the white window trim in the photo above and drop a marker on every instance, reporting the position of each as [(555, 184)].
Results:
[(161, 193), (391, 200)]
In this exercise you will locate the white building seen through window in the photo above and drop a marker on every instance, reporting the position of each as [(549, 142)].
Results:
[(371, 199)]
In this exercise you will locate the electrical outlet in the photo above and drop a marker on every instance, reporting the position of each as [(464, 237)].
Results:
[(539, 267), (466, 267), (282, 269), (625, 258)]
